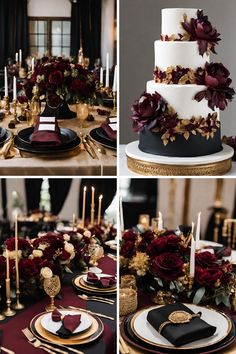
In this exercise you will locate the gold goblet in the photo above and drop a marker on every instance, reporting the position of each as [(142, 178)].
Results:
[(82, 110), (51, 287), (96, 252)]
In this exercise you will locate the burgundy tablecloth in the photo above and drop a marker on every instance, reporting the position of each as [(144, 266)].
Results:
[(14, 339)]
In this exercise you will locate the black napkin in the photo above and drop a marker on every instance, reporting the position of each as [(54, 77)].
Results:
[(180, 333)]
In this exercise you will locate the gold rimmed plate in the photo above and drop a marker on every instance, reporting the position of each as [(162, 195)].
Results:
[(81, 285), (85, 337), (145, 332), (101, 140)]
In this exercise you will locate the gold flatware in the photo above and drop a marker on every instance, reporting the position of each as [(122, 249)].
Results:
[(88, 141), (124, 346), (90, 298), (83, 141), (92, 313), (31, 335), (8, 351), (101, 297), (112, 256), (98, 147), (38, 344)]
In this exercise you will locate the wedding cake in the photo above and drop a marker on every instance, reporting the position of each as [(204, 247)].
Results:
[(179, 114)]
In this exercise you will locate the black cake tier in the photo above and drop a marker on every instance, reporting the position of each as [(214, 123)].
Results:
[(196, 145)]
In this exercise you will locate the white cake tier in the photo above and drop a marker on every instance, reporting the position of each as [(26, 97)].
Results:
[(171, 19), (185, 54), (181, 99)]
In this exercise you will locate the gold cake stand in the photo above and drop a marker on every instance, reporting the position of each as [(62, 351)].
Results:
[(154, 165)]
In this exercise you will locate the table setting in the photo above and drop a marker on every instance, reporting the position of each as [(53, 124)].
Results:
[(58, 289), (177, 291), (67, 128)]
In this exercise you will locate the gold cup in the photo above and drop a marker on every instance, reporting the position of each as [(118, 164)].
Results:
[(128, 301)]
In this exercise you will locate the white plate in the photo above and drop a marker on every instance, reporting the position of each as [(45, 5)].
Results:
[(145, 331), (205, 243), (51, 326), (112, 244), (102, 275)]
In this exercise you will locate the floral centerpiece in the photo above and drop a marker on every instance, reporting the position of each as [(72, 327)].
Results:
[(59, 81), (58, 252), (161, 261)]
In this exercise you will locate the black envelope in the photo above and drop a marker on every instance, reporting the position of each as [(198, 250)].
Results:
[(179, 333)]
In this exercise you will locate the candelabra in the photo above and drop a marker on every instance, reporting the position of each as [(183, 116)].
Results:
[(7, 105)]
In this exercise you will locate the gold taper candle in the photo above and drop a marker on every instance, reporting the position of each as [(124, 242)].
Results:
[(92, 206), (7, 265), (17, 305), (84, 204), (99, 208)]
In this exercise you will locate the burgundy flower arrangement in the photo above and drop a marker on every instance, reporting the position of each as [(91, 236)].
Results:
[(201, 30), (160, 260), (218, 90), (60, 80)]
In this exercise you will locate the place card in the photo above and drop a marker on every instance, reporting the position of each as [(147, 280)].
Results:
[(113, 120), (47, 119), (46, 127), (113, 126)]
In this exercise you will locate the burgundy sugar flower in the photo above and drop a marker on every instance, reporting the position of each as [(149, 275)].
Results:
[(201, 30), (168, 266), (218, 90), (147, 110)]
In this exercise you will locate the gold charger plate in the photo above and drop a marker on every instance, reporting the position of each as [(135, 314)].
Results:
[(78, 281), (85, 337), (171, 346)]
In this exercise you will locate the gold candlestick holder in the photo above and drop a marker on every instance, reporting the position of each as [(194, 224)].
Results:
[(108, 91), (114, 101), (8, 312), (7, 105), (14, 105), (17, 305)]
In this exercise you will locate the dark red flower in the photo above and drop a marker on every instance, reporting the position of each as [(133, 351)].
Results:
[(55, 77), (23, 245), (205, 259), (64, 255), (208, 277), (164, 244), (127, 249), (22, 99), (201, 30), (28, 269), (168, 266), (147, 110), (218, 90), (129, 235)]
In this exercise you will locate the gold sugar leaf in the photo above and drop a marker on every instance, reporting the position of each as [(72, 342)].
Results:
[(186, 135)]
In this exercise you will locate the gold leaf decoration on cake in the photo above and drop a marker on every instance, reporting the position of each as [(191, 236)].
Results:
[(179, 75)]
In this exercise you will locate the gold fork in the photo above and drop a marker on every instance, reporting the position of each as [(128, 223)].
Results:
[(29, 335), (89, 298)]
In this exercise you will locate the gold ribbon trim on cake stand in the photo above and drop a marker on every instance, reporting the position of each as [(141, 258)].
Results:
[(157, 169)]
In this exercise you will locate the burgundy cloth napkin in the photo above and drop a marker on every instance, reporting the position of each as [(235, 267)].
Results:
[(69, 323), (109, 132), (104, 282), (46, 137)]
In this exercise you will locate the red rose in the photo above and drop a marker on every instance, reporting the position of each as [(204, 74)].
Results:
[(168, 266), (55, 77), (64, 255), (22, 244), (205, 259), (164, 244), (207, 277), (148, 236), (129, 236), (55, 268), (54, 100), (28, 269), (49, 253), (127, 249)]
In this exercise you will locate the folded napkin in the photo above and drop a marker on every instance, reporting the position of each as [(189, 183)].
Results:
[(69, 323), (110, 132), (104, 282), (46, 132), (8, 150), (179, 333)]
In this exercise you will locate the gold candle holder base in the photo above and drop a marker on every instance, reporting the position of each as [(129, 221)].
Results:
[(18, 306), (16, 121), (2, 317), (7, 105), (9, 312)]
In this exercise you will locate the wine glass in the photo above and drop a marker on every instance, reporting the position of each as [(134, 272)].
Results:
[(52, 286), (82, 111), (96, 252)]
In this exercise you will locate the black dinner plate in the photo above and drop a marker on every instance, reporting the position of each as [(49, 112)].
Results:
[(46, 150), (4, 136), (131, 338), (67, 135), (104, 142), (103, 134)]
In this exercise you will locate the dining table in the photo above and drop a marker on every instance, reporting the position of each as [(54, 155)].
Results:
[(13, 339), (72, 163), (145, 300)]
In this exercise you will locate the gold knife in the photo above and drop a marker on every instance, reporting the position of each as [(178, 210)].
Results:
[(87, 147), (88, 141)]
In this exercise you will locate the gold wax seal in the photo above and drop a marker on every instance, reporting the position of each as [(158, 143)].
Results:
[(180, 317)]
